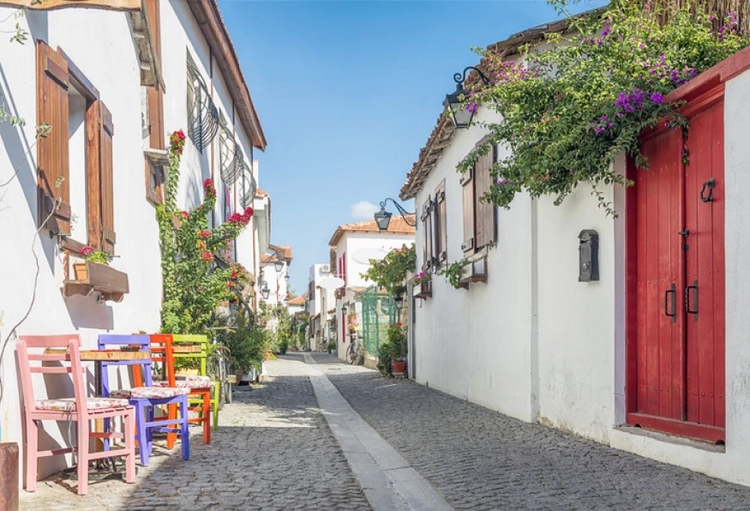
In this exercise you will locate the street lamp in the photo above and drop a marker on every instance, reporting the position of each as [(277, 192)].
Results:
[(383, 217), (399, 300), (460, 113), (265, 290), (278, 265)]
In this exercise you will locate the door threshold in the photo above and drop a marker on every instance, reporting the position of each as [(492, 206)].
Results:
[(672, 439)]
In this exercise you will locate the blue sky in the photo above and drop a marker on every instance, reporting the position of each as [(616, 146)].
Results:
[(348, 93)]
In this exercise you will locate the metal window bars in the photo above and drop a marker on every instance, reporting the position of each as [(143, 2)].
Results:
[(203, 116), (249, 186), (230, 157)]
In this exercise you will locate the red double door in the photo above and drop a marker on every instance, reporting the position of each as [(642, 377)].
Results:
[(676, 292)]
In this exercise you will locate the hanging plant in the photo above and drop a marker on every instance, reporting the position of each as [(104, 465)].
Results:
[(569, 110), (390, 272)]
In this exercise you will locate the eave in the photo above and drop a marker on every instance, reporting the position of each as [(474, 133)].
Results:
[(208, 17)]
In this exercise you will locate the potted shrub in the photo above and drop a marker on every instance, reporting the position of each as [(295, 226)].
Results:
[(398, 349)]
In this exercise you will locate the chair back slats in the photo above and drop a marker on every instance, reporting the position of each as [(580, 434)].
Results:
[(141, 367), (162, 352), (202, 356), (68, 358)]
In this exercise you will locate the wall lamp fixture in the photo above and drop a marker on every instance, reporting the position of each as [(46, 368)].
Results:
[(461, 113), (383, 217)]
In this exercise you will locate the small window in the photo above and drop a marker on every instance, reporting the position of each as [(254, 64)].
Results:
[(157, 161)]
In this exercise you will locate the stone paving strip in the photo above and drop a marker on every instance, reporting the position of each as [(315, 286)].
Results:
[(479, 459), (273, 450), (387, 479)]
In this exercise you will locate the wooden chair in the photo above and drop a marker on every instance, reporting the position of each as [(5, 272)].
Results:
[(36, 353), (145, 398), (162, 353), (201, 357)]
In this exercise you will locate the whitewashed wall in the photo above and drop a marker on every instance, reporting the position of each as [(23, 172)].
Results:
[(351, 244), (100, 44), (538, 345)]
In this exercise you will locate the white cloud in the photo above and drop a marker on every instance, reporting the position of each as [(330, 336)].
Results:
[(364, 210)]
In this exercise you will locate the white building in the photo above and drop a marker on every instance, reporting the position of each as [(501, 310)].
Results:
[(320, 302), (352, 247), (528, 335), (121, 81)]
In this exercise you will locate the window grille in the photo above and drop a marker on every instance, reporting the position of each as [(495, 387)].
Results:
[(249, 186), (203, 117)]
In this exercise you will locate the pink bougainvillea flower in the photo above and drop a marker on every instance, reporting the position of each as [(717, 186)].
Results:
[(86, 250), (185, 215), (208, 257), (203, 233)]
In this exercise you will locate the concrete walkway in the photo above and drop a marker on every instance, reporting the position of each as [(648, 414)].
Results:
[(324, 435)]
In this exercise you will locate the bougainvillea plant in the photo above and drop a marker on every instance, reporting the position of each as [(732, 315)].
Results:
[(196, 279), (571, 106), (390, 272)]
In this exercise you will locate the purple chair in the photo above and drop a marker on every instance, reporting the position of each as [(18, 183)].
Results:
[(145, 398)]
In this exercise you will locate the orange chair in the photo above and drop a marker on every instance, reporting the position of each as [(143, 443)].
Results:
[(35, 352), (162, 353)]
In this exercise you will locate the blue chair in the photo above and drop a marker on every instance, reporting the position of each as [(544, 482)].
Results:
[(145, 398)]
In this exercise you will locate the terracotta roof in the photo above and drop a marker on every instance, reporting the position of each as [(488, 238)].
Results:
[(268, 258), (285, 252), (260, 193), (208, 16), (443, 131), (396, 226), (297, 300)]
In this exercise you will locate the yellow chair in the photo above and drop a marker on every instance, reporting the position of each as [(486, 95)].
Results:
[(196, 347)]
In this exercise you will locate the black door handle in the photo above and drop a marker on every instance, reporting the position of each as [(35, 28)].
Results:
[(694, 289), (673, 292), (710, 184)]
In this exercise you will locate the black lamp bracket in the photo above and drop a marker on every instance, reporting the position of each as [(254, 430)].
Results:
[(460, 78), (401, 210)]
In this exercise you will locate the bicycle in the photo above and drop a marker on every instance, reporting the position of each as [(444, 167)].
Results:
[(351, 351), (218, 368)]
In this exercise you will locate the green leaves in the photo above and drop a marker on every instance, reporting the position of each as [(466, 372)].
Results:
[(570, 109), (390, 272)]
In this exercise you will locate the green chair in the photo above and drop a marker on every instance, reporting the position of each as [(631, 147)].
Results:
[(196, 347)]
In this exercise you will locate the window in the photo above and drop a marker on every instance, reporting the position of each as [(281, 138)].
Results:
[(434, 227), (75, 158), (155, 163), (479, 216)]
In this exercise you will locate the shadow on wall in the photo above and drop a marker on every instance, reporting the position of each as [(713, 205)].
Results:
[(21, 150), (85, 312)]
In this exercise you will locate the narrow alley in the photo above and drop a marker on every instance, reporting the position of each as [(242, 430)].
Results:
[(319, 434)]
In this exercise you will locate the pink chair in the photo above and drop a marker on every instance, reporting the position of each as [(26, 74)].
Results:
[(60, 354)]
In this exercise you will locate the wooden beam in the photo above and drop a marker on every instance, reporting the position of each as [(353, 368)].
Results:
[(51, 5)]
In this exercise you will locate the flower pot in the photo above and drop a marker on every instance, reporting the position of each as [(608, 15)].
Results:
[(81, 271), (399, 367)]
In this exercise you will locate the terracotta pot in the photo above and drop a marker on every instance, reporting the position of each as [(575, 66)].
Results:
[(399, 366)]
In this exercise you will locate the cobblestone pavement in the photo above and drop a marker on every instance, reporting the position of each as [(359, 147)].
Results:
[(479, 459), (273, 450)]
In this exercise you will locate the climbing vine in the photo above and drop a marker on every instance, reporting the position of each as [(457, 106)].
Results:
[(390, 272), (570, 108), (196, 276)]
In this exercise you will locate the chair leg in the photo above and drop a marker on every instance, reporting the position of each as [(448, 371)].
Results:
[(184, 434), (172, 415), (32, 454), (82, 455), (216, 406), (141, 436), (107, 429), (207, 417), (129, 431)]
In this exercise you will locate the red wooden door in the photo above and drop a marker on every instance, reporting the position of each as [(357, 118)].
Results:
[(676, 291), (705, 298)]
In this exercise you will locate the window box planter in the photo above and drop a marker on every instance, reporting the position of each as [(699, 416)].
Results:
[(424, 290), (90, 277)]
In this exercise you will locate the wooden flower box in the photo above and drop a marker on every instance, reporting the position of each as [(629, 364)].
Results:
[(424, 290), (90, 277)]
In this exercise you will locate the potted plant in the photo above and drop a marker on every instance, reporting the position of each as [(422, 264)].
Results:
[(398, 348), (94, 256), (423, 281)]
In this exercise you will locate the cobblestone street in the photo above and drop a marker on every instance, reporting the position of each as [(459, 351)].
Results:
[(274, 449)]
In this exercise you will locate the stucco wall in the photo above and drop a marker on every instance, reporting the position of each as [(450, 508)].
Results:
[(101, 45), (536, 344)]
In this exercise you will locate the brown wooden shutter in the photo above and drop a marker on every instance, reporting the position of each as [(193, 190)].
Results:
[(467, 182), (426, 217), (155, 95), (441, 226), (106, 166), (484, 212), (53, 159)]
